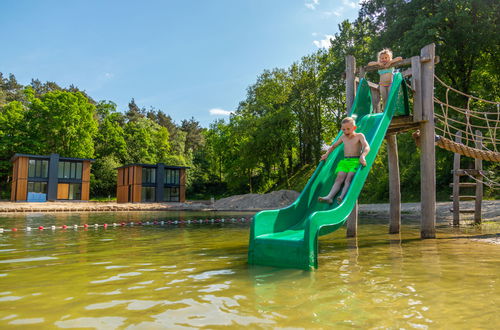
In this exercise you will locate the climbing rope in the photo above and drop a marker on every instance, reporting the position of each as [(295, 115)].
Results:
[(453, 121), (488, 182), (464, 150)]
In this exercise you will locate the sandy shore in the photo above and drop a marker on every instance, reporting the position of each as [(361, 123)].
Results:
[(409, 211), (490, 209)]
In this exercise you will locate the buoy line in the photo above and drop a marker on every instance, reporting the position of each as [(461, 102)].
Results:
[(128, 224)]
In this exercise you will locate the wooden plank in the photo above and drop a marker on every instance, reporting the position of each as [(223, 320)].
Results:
[(456, 184), (182, 182), (85, 190), (464, 197), (136, 193), (122, 194), (404, 62), (478, 164), (86, 170), (428, 151), (417, 87), (120, 177), (465, 210), (22, 179), (137, 175), (85, 193), (394, 185), (469, 171), (465, 185), (62, 190)]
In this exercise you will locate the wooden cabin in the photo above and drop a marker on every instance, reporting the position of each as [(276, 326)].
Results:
[(148, 183), (38, 178)]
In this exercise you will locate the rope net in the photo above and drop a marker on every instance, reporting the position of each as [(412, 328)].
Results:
[(472, 133)]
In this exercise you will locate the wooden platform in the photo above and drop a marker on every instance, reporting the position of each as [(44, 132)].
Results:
[(402, 124)]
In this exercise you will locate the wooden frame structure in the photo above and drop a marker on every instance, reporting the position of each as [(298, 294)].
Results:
[(422, 71), (47, 173), (132, 184), (456, 185)]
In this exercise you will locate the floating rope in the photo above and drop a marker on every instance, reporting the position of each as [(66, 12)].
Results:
[(129, 224)]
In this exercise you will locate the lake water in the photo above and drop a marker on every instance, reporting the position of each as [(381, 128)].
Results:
[(194, 276)]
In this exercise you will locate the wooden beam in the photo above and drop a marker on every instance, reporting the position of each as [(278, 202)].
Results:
[(352, 222), (350, 85), (404, 62), (394, 185), (428, 149), (478, 164), (350, 68), (456, 184), (416, 86)]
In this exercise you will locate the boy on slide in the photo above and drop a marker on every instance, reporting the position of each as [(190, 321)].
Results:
[(355, 150)]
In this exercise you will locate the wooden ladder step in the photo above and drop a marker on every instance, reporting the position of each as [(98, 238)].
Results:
[(464, 198), (463, 172), (464, 210), (466, 184)]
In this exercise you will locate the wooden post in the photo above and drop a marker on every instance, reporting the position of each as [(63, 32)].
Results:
[(456, 183), (428, 150), (350, 70), (352, 222), (394, 185), (417, 87), (479, 185)]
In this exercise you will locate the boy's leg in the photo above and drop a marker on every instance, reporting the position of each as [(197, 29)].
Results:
[(347, 183), (335, 189)]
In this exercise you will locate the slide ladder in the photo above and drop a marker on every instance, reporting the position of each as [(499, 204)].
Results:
[(288, 237)]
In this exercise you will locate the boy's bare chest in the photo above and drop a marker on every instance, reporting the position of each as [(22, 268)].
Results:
[(351, 142)]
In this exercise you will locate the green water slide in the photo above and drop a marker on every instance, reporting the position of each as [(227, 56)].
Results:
[(288, 237)]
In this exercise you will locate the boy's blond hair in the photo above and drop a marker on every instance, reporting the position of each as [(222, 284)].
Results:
[(385, 51), (348, 120)]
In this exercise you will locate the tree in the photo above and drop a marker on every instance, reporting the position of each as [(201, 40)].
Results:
[(64, 123), (194, 136)]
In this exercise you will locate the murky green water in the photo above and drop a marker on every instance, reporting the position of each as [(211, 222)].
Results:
[(196, 276)]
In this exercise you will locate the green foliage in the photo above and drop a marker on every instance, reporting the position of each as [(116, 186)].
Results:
[(103, 180), (64, 123), (274, 139), (288, 113)]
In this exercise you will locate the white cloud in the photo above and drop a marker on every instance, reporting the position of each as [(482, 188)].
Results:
[(334, 12), (220, 112), (351, 4), (108, 75), (325, 43), (312, 4)]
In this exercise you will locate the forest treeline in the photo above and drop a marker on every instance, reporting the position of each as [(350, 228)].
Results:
[(283, 123)]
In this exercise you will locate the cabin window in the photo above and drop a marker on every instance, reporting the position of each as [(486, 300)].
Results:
[(38, 168), (70, 170)]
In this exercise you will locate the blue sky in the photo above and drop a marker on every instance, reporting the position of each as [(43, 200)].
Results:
[(187, 58)]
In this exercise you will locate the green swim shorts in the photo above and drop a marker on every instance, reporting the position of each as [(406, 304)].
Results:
[(348, 165)]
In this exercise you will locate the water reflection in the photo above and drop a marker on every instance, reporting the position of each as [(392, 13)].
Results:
[(195, 276)]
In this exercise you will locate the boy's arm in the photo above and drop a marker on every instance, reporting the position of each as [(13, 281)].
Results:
[(365, 149), (332, 147)]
